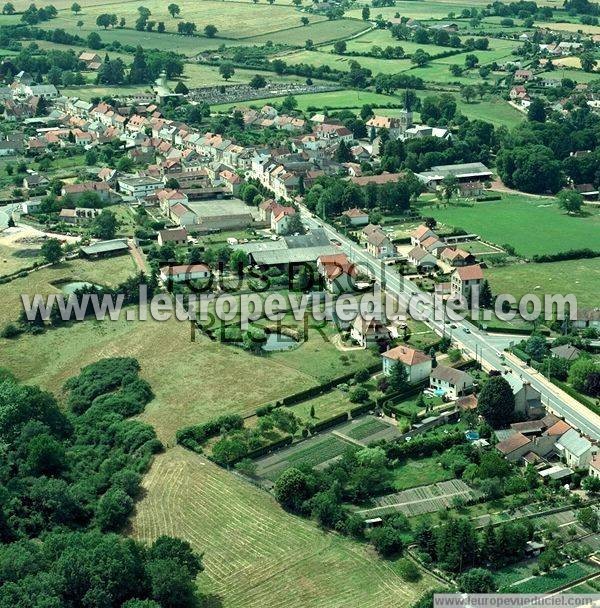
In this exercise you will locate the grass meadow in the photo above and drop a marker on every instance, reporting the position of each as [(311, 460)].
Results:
[(512, 219), (233, 19), (579, 277), (15, 258), (192, 381), (255, 553), (107, 272)]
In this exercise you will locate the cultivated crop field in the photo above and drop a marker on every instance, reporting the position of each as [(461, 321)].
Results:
[(510, 221), (556, 578), (368, 429), (255, 553), (420, 500)]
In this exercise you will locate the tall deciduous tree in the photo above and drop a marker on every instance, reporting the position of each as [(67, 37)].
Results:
[(496, 402)]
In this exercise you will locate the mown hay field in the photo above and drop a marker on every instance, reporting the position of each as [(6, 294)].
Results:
[(255, 553)]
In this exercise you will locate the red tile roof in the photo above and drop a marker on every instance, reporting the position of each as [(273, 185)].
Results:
[(407, 355)]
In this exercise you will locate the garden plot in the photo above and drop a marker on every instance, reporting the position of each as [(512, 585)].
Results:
[(313, 452), (421, 500), (368, 429)]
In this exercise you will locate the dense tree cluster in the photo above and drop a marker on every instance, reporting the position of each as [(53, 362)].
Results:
[(67, 482), (457, 546)]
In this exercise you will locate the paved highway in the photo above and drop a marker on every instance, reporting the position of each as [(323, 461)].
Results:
[(486, 348)]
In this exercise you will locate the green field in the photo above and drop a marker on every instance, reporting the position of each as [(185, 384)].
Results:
[(339, 62), (491, 109), (416, 10), (107, 272), (511, 220), (318, 31), (255, 553), (578, 277), (327, 405), (13, 259), (383, 38), (424, 471), (193, 381), (332, 99), (576, 75), (568, 27), (233, 19)]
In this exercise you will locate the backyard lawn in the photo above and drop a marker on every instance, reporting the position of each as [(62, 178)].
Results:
[(511, 219)]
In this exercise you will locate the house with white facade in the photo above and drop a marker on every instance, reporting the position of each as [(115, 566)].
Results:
[(420, 234), (454, 382), (576, 450), (356, 217), (184, 272), (368, 331), (338, 272), (416, 362), (465, 279)]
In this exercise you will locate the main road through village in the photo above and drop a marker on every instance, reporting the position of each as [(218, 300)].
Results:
[(485, 347)]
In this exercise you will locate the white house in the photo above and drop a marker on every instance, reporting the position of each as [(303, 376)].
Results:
[(356, 217), (184, 272), (183, 215), (168, 198), (280, 218), (420, 234), (338, 272), (416, 362), (594, 470), (576, 449), (139, 187), (454, 382), (465, 279), (379, 244), (368, 331)]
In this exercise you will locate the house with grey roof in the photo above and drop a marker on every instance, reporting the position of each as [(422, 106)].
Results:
[(528, 402), (576, 450), (565, 351), (453, 382)]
